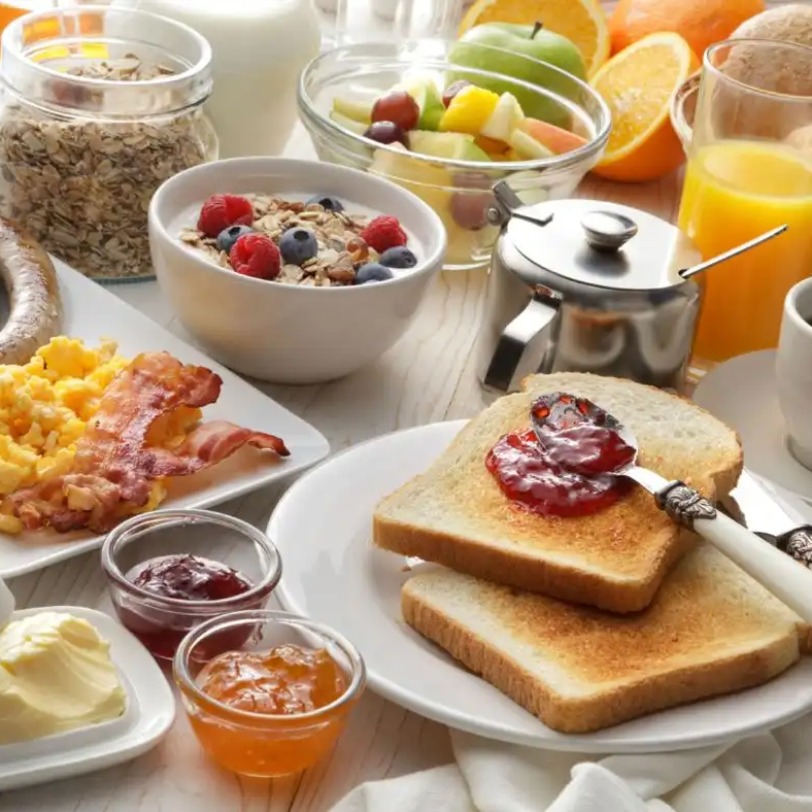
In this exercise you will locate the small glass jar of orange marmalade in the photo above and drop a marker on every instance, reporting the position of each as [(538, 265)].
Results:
[(275, 703)]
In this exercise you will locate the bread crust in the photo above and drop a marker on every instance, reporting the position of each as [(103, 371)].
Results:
[(651, 693), (529, 572), (455, 513)]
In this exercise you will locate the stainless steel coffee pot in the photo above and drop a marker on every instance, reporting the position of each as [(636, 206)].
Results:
[(590, 286)]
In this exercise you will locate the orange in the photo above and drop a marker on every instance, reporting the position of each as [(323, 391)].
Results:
[(637, 85), (580, 21), (700, 22)]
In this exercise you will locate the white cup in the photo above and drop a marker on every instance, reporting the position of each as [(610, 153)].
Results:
[(793, 370)]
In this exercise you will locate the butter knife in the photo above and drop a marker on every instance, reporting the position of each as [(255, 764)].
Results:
[(771, 519)]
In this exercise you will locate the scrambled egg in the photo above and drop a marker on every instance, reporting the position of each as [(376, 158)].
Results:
[(45, 406)]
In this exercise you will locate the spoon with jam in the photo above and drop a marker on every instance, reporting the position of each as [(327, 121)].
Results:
[(586, 440)]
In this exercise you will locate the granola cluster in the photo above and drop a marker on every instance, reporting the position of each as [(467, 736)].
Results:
[(82, 183), (341, 249)]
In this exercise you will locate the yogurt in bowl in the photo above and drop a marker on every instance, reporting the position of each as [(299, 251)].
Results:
[(290, 333), (315, 242)]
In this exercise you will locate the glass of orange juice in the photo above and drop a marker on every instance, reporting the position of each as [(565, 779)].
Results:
[(11, 9), (749, 170)]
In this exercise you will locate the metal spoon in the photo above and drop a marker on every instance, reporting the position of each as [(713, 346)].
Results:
[(775, 570)]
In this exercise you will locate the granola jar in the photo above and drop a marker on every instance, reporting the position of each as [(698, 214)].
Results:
[(100, 106)]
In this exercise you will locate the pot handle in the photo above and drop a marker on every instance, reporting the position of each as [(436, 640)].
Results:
[(504, 371)]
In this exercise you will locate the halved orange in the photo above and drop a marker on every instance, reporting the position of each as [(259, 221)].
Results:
[(637, 85), (582, 21)]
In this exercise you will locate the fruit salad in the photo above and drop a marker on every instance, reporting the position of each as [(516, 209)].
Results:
[(423, 118), (460, 122), (311, 243)]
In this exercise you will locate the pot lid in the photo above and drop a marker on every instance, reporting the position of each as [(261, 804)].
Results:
[(600, 244)]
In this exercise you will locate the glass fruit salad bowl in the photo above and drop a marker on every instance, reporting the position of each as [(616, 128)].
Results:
[(447, 120)]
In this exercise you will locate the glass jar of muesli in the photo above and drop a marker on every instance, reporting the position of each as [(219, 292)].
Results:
[(100, 106)]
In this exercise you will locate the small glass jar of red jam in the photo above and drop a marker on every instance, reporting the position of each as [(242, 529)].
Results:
[(170, 570), (275, 704)]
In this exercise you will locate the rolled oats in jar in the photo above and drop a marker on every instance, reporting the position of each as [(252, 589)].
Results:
[(100, 106)]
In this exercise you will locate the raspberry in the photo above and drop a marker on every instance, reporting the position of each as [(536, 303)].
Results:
[(220, 212), (255, 255), (384, 232)]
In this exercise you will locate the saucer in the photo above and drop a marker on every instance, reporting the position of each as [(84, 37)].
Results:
[(742, 393)]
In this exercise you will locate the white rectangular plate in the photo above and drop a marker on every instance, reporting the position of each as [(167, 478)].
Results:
[(93, 313), (149, 715)]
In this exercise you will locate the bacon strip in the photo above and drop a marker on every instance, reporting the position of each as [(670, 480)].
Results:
[(114, 467)]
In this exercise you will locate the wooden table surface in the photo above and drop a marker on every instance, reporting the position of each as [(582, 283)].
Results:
[(427, 377)]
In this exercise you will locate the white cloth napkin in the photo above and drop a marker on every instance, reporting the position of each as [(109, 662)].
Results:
[(771, 772)]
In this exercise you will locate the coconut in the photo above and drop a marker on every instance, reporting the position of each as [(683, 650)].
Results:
[(790, 23), (788, 74), (783, 71)]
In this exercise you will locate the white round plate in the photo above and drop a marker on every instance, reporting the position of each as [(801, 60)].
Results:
[(332, 573), (742, 393)]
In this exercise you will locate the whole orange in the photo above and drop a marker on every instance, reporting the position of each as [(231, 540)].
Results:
[(700, 22)]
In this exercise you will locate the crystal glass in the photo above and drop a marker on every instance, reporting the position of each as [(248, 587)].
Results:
[(458, 190), (100, 105), (159, 622), (259, 744), (749, 170)]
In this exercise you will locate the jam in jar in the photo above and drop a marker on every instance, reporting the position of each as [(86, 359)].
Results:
[(161, 626), (275, 705), (286, 681), (189, 578), (563, 464)]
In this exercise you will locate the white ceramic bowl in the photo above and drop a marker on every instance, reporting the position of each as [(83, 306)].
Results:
[(277, 332)]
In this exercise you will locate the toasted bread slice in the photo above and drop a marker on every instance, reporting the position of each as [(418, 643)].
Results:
[(711, 630), (455, 514)]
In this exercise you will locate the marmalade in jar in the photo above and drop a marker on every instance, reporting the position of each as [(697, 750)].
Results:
[(284, 683)]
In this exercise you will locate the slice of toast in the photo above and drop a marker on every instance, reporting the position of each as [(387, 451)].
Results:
[(455, 513), (711, 630)]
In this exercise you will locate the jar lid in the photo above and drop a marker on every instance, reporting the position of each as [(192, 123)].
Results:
[(601, 244)]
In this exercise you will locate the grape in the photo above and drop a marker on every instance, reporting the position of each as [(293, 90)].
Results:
[(453, 89), (386, 132), (470, 208), (398, 107)]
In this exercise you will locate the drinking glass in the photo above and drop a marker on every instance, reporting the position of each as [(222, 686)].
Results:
[(749, 170), (352, 21)]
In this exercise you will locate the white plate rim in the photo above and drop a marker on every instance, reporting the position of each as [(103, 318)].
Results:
[(704, 397), (154, 705), (584, 743)]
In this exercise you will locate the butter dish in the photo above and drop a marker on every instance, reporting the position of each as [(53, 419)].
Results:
[(148, 715), (6, 603)]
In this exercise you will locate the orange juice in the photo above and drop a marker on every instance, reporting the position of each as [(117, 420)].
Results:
[(11, 9), (735, 190)]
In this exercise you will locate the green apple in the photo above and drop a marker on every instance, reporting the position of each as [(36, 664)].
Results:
[(455, 146), (505, 118), (423, 89), (527, 148), (354, 108), (517, 42), (353, 125)]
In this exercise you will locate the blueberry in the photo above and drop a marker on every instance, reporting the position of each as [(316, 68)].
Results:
[(298, 245), (398, 257), (228, 236), (326, 202), (372, 272)]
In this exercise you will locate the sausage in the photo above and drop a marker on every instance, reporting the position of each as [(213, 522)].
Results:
[(35, 307)]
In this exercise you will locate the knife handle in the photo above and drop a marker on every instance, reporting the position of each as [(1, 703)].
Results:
[(777, 571), (797, 544)]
